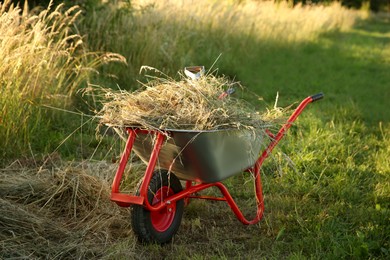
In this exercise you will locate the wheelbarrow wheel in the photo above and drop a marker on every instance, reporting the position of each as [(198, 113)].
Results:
[(158, 226)]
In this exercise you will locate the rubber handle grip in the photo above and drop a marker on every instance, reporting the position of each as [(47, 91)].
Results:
[(317, 96)]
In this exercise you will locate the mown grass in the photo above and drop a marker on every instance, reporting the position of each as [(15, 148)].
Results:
[(326, 186)]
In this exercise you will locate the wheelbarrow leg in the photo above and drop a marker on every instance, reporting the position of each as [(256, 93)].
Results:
[(124, 200), (187, 199), (259, 199)]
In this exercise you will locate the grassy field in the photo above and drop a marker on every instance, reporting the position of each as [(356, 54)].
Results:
[(326, 187)]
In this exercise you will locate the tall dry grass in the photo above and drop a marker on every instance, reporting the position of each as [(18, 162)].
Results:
[(43, 62), (171, 34), (263, 20)]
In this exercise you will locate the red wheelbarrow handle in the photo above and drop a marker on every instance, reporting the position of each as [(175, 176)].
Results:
[(276, 138)]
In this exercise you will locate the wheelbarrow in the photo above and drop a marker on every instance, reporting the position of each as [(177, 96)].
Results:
[(201, 159)]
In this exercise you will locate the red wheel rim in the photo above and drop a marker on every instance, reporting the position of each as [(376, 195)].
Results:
[(162, 219)]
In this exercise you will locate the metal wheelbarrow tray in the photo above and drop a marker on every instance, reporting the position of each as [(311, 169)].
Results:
[(202, 159), (203, 156)]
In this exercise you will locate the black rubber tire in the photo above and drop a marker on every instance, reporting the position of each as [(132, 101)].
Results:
[(141, 219)]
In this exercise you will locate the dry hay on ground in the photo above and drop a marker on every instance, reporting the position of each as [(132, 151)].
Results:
[(58, 211)]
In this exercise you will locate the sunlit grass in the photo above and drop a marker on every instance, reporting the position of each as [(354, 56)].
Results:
[(169, 35), (43, 62), (261, 20)]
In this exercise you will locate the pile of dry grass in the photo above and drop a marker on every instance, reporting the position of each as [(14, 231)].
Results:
[(57, 211), (165, 103)]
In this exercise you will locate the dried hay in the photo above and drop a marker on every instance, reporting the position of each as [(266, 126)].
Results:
[(57, 212), (187, 104)]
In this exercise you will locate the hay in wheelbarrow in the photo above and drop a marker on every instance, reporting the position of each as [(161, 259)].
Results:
[(186, 104)]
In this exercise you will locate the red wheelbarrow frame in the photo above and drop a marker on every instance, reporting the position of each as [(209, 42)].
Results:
[(126, 200)]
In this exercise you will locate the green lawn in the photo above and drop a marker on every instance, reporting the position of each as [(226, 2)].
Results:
[(326, 186)]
